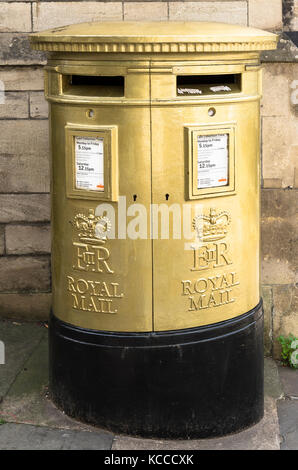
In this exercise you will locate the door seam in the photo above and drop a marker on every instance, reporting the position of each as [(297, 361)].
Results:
[(151, 200)]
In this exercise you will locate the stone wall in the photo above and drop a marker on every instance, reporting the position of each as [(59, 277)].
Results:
[(25, 284)]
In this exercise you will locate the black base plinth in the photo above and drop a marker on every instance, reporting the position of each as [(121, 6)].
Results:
[(193, 383)]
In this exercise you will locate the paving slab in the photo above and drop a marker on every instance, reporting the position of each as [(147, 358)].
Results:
[(27, 400), (272, 383), (26, 405), (20, 340), (262, 436), (288, 422), (289, 380), (26, 437), (33, 376), (39, 410)]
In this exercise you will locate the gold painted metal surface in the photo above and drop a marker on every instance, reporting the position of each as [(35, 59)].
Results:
[(150, 133), (148, 37)]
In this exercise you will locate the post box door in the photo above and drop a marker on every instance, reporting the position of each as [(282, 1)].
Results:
[(213, 276), (96, 281)]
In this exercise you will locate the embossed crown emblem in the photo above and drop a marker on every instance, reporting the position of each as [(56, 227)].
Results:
[(212, 227), (92, 228)]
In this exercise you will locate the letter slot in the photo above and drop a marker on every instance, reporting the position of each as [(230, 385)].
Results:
[(191, 85)]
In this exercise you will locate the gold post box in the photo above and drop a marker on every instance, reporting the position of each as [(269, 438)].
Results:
[(156, 327)]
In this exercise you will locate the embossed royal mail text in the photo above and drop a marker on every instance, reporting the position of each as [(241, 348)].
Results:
[(91, 255), (211, 290)]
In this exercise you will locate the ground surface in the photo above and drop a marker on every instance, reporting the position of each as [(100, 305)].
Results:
[(29, 420)]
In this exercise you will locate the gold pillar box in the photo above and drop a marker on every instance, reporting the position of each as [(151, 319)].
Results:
[(152, 119)]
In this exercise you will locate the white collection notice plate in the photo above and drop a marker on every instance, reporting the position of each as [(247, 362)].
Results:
[(89, 163), (213, 160)]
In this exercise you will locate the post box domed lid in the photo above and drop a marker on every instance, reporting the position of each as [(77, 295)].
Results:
[(148, 37)]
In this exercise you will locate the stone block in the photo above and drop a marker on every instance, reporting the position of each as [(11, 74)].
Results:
[(24, 156), (276, 271), (24, 208), (272, 183), (279, 147), (15, 50), (15, 17), (288, 13), (276, 89), (27, 239), (294, 21), (285, 52), (38, 105), (266, 293), (280, 89), (285, 314), (296, 178), (25, 273), (26, 306), (272, 384), (149, 11), (279, 247), (279, 203), (226, 12), (14, 105), (265, 14), (22, 78), (2, 240), (53, 14)]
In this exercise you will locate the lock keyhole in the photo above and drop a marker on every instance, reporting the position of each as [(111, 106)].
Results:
[(90, 113)]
